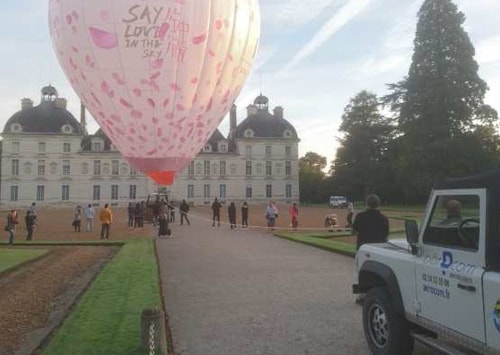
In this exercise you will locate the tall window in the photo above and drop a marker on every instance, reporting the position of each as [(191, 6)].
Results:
[(269, 168), (206, 167), (96, 193), (14, 193), (65, 192), (190, 191), (249, 192), (222, 168), (222, 190), (206, 191), (288, 150), (269, 191), (133, 171), (66, 167), (66, 147), (288, 191), (40, 193), (115, 168), (269, 150), (41, 167), (248, 150), (114, 192), (191, 169), (41, 147), (97, 167), (15, 147), (132, 192), (15, 167), (249, 168), (288, 168)]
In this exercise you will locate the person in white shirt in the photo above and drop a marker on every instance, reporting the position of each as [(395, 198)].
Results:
[(89, 217)]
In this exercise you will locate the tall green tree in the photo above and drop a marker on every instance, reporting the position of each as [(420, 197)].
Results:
[(440, 104), (312, 178), (358, 164)]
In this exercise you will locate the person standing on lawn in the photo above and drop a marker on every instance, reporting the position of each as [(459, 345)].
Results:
[(12, 220), (294, 216), (231, 212), (30, 220), (184, 210), (216, 212), (271, 215), (106, 218), (77, 219), (350, 214), (371, 226), (89, 218), (244, 215)]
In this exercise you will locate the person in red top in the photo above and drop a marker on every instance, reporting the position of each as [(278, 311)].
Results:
[(294, 216)]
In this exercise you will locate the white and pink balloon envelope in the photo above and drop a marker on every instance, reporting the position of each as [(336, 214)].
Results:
[(157, 75)]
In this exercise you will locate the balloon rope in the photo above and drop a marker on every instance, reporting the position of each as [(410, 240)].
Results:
[(255, 227)]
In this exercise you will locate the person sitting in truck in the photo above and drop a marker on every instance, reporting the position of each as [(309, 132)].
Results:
[(453, 213), (371, 226)]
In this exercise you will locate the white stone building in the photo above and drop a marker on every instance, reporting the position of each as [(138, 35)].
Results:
[(48, 157)]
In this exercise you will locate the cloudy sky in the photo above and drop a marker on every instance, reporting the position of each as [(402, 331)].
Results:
[(314, 56)]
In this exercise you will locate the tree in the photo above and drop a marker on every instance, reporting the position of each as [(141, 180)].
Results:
[(313, 162), (440, 104), (311, 178), (366, 136)]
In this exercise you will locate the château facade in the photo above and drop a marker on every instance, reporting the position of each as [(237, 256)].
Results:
[(48, 157)]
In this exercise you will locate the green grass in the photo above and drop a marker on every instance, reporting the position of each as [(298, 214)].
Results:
[(107, 319), (329, 244), (10, 258), (322, 243)]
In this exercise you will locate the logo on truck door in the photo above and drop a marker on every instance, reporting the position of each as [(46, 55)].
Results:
[(446, 262), (496, 315)]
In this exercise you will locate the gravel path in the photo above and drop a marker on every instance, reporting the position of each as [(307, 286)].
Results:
[(34, 298), (245, 292)]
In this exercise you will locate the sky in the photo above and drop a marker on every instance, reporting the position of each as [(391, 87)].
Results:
[(314, 56)]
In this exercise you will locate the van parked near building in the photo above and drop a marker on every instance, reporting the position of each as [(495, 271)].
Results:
[(338, 202)]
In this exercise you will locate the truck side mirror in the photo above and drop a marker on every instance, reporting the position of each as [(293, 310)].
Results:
[(411, 228)]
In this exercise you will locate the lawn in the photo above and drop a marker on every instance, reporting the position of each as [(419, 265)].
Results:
[(10, 258), (107, 319)]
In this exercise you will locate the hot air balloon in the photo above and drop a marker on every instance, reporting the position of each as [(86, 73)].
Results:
[(158, 75)]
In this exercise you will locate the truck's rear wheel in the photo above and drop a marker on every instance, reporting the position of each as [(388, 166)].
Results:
[(386, 332)]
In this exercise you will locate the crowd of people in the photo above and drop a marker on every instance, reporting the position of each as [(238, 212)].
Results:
[(163, 214)]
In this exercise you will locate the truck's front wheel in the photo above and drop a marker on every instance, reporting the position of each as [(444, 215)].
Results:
[(386, 331)]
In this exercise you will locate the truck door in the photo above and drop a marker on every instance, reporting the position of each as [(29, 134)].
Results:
[(451, 262)]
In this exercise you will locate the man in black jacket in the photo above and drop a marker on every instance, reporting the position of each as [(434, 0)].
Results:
[(184, 210)]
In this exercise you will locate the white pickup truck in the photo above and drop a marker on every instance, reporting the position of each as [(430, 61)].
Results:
[(440, 286)]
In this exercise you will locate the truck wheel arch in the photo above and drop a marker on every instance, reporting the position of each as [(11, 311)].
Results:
[(373, 274)]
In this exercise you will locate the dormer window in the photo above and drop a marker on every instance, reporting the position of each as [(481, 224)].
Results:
[(97, 146), (249, 133), (223, 148), (67, 129), (16, 128), (207, 148), (287, 134)]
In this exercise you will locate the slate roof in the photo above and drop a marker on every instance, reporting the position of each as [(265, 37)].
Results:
[(48, 117), (264, 124)]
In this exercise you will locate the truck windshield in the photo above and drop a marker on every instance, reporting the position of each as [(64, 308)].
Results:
[(455, 222)]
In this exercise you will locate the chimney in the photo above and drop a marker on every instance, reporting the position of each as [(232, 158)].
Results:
[(251, 110), (278, 112), (61, 103), (83, 119), (232, 118), (26, 103)]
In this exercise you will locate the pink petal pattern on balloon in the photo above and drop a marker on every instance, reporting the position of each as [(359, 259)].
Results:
[(157, 75), (103, 39)]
